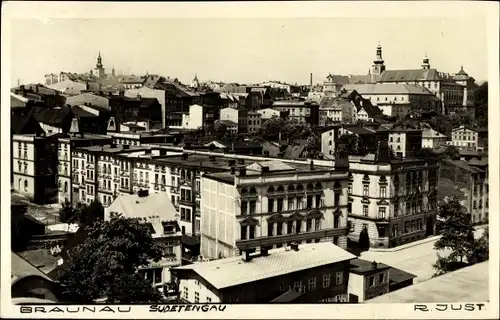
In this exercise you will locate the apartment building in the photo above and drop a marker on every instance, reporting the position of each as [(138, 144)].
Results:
[(140, 138), (468, 138), (330, 136), (254, 121), (392, 201), (301, 111), (335, 109), (66, 168), (34, 166), (309, 273), (158, 211), (467, 181), (404, 142), (268, 204)]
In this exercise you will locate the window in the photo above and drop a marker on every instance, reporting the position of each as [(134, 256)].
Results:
[(381, 278), (365, 210), (474, 204), (185, 293), (196, 297), (25, 185), (339, 278), (297, 285), (326, 281), (371, 281), (209, 300), (383, 191), (311, 285), (381, 213), (365, 190)]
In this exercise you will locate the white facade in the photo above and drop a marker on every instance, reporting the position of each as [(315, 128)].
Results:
[(229, 114), (196, 292), (465, 138), (69, 87), (193, 120), (23, 164), (432, 139), (87, 97), (64, 170)]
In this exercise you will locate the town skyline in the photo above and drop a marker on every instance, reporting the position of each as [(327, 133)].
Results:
[(449, 44)]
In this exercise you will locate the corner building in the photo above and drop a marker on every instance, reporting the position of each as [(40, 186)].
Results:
[(269, 204)]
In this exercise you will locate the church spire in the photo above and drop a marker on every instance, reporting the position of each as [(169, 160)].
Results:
[(425, 62), (378, 58)]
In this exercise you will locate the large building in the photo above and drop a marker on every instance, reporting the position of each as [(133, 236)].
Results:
[(271, 203), (300, 273), (301, 111), (394, 201), (34, 166), (468, 138), (397, 99), (467, 181)]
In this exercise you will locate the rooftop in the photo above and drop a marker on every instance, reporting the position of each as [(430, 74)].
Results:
[(464, 165), (431, 133), (464, 285), (388, 88), (86, 136), (410, 75), (229, 272), (365, 267), (155, 207), (20, 268), (113, 149)]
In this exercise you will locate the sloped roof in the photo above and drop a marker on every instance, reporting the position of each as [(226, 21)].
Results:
[(81, 113), (151, 206), (334, 102), (359, 130), (410, 75), (55, 117), (294, 151), (431, 133), (19, 122), (224, 273), (22, 269), (388, 88), (464, 165)]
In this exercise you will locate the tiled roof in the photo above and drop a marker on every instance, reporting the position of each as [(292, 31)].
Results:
[(234, 271), (156, 207), (334, 102), (388, 88), (410, 75), (466, 284)]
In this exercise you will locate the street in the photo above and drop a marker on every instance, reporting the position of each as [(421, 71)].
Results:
[(417, 260)]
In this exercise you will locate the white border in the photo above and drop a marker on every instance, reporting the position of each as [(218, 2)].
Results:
[(370, 9)]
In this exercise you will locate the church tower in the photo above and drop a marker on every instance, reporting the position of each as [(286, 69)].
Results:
[(378, 66), (425, 63), (99, 67)]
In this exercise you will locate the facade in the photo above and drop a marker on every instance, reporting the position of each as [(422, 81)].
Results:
[(468, 182), (69, 87), (335, 110), (160, 213), (139, 138), (431, 139), (34, 166), (397, 99), (270, 203), (302, 273), (301, 111), (266, 114), (405, 142), (468, 138), (254, 121), (192, 120), (67, 167), (367, 280), (392, 201)]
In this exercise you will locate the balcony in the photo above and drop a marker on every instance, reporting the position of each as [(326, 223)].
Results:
[(297, 237)]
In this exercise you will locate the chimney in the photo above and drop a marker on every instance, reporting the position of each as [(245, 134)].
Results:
[(311, 80), (341, 158), (295, 246), (374, 265), (142, 193), (311, 165)]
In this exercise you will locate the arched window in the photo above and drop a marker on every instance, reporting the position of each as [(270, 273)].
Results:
[(290, 189), (281, 189), (65, 186), (270, 190), (244, 191), (300, 188), (25, 185), (310, 187), (319, 186), (65, 171), (253, 192), (183, 174), (59, 184), (20, 184)]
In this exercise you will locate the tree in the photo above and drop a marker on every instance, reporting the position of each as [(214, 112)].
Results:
[(106, 264), (67, 213), (426, 153), (364, 239), (480, 251), (457, 235), (451, 152), (347, 142)]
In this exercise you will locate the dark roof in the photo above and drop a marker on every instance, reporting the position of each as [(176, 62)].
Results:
[(294, 151), (463, 165), (364, 267), (55, 117), (288, 296), (190, 240), (360, 130), (38, 88), (410, 75), (397, 276), (24, 124), (373, 111)]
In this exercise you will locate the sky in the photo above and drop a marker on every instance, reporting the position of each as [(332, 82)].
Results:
[(245, 50)]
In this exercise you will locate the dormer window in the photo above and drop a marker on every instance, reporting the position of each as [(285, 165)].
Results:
[(168, 228)]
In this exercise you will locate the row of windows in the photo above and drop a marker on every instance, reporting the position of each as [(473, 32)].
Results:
[(311, 283)]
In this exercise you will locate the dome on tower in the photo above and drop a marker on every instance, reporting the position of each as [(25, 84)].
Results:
[(461, 75)]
